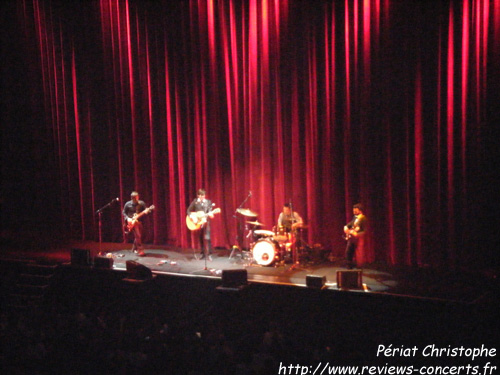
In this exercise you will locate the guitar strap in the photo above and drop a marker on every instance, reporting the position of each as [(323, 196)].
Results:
[(206, 206)]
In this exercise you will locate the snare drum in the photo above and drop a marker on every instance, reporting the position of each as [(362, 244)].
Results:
[(265, 251)]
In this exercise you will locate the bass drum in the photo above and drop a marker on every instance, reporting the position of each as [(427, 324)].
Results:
[(265, 251)]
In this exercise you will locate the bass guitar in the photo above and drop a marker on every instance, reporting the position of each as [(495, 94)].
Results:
[(129, 225), (196, 220)]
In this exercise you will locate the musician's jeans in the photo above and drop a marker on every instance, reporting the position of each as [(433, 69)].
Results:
[(204, 240), (138, 228), (350, 250)]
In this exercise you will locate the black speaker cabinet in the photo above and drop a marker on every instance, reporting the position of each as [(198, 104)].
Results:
[(234, 278), (138, 271), (103, 262), (316, 282), (349, 279), (80, 257)]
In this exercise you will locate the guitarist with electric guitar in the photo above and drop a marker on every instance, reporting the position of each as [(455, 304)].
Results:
[(133, 211), (199, 213), (353, 232)]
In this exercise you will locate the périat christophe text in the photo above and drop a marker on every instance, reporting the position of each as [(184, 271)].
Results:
[(435, 351), (478, 361)]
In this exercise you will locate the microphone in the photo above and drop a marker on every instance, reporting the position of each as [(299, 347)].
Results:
[(250, 193), (116, 199)]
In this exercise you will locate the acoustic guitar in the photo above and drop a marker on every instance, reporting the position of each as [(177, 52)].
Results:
[(348, 234), (351, 232), (196, 220)]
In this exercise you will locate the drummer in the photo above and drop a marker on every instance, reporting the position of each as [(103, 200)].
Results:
[(288, 220)]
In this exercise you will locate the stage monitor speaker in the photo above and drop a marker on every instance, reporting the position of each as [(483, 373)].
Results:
[(316, 282), (233, 281), (138, 271), (349, 279), (103, 262), (234, 278), (80, 257)]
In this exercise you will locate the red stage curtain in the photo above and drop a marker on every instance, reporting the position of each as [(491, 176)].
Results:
[(320, 103)]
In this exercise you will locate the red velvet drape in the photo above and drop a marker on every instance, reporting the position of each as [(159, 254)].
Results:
[(321, 103)]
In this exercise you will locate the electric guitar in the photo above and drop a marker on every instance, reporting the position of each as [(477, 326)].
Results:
[(196, 220), (130, 225)]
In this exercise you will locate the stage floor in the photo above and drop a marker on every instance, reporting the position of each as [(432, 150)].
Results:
[(450, 285), (187, 263)]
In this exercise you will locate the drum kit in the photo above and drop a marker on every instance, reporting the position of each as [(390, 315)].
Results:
[(269, 247)]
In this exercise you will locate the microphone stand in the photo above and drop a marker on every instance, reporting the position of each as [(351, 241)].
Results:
[(242, 203), (205, 271), (99, 213)]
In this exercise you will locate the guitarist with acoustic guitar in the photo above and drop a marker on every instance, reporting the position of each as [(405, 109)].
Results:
[(198, 218), (133, 211)]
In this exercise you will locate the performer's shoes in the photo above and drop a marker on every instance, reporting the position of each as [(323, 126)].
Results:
[(141, 254)]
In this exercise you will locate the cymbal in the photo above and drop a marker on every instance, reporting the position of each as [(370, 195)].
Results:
[(246, 212), (255, 223)]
